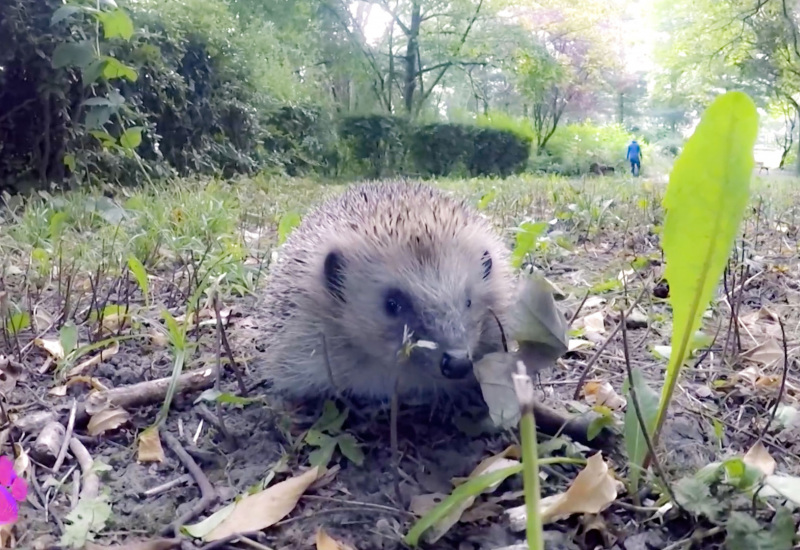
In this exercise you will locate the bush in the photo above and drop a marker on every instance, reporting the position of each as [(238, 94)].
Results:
[(452, 149), (575, 147), (375, 144)]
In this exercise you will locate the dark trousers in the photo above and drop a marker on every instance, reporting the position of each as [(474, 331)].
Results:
[(635, 166)]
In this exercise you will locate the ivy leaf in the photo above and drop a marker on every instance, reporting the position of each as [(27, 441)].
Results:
[(744, 532), (694, 495), (73, 54), (131, 138), (116, 69), (64, 12), (116, 23), (350, 449), (705, 201)]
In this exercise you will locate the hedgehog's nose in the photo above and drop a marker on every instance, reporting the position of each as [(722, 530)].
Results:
[(455, 366)]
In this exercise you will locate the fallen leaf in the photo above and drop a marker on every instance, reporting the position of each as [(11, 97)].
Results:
[(662, 352), (758, 457), (159, 338), (422, 504), (577, 344), (150, 449), (493, 372), (602, 393), (10, 372), (107, 419), (750, 374), (325, 542), (595, 322), (102, 356), (51, 346), (593, 302), (593, 490), (768, 352), (539, 327), (265, 508)]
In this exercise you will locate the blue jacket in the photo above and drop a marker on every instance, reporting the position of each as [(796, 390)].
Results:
[(634, 151)]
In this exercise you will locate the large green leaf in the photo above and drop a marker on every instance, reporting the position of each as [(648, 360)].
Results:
[(705, 201), (73, 54), (116, 23)]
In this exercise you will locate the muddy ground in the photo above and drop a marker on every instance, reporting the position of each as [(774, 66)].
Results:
[(367, 506)]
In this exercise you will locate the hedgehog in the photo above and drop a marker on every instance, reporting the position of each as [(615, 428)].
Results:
[(387, 288)]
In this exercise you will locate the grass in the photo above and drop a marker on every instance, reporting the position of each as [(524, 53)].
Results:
[(79, 259)]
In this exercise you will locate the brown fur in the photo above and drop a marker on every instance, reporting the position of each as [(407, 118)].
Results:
[(383, 236)]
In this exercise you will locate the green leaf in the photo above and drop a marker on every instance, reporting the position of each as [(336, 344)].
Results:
[(116, 23), (56, 226), (322, 455), (131, 138), (18, 322), (97, 117), (288, 221), (116, 69), (69, 162), (541, 329), (527, 234), (470, 488), (73, 54), (64, 12), (140, 273), (705, 200), (745, 533), (68, 336), (635, 442), (597, 424), (93, 71), (85, 520), (694, 494), (350, 449), (486, 199)]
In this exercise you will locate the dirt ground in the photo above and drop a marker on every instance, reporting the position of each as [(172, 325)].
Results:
[(367, 506)]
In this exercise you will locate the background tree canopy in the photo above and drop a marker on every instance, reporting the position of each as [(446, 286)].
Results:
[(132, 91)]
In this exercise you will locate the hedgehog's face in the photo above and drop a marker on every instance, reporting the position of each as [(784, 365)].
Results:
[(409, 311)]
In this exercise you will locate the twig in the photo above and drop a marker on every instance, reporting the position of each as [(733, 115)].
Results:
[(577, 311), (208, 496), (602, 348), (91, 483), (224, 338), (62, 452), (164, 487)]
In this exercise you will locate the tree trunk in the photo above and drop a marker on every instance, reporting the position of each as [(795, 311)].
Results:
[(411, 61)]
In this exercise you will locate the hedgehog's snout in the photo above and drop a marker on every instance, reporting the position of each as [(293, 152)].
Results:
[(455, 365)]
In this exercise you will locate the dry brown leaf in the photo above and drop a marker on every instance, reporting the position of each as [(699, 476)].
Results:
[(595, 322), (159, 338), (593, 490), (58, 391), (602, 393), (422, 504), (92, 361), (768, 352), (577, 344), (265, 508), (51, 346), (758, 457), (150, 449), (10, 372), (326, 542), (493, 372), (750, 374), (593, 302), (107, 419)]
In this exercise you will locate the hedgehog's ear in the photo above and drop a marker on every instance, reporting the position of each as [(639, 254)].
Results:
[(487, 264), (334, 274)]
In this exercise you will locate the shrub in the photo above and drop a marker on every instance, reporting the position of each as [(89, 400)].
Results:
[(376, 143), (448, 149), (575, 147)]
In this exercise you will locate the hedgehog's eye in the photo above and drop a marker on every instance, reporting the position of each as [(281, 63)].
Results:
[(396, 303), (469, 302)]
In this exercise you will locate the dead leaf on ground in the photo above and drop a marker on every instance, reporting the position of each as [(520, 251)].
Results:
[(10, 372), (578, 344), (265, 508), (594, 322), (768, 352), (150, 449), (97, 359), (493, 372), (159, 338), (326, 542), (602, 393), (50, 345), (758, 457), (107, 419), (593, 490)]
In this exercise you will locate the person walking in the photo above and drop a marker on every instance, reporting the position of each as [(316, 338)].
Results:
[(635, 157)]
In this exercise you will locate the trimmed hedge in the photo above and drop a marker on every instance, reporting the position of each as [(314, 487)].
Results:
[(376, 142), (383, 145)]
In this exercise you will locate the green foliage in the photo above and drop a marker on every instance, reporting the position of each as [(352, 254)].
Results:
[(705, 201), (442, 149), (377, 142), (635, 442), (574, 147)]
